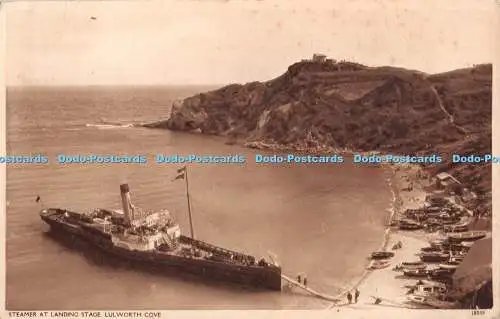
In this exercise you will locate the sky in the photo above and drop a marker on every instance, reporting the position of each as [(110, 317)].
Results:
[(186, 42)]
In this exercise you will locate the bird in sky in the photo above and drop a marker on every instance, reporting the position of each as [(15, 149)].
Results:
[(93, 18)]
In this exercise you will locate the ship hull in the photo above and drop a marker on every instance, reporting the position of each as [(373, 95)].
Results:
[(267, 277)]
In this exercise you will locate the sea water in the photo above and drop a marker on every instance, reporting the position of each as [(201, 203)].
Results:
[(322, 219)]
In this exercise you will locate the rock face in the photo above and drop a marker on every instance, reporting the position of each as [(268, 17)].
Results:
[(349, 105)]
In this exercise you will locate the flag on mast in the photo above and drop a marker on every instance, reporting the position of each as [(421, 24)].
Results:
[(181, 173)]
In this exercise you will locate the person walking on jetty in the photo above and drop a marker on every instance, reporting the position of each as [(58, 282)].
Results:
[(305, 280), (349, 297), (356, 295), (298, 278)]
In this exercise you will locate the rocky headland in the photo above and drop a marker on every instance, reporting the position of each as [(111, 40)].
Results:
[(328, 104)]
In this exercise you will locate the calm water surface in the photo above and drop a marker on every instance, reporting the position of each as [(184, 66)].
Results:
[(323, 220)]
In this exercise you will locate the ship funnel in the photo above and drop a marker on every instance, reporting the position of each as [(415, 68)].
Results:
[(127, 203)]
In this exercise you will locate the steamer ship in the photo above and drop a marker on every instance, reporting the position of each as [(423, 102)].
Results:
[(154, 239)]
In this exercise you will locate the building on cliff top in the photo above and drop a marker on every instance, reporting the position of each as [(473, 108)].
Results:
[(320, 58), (317, 57)]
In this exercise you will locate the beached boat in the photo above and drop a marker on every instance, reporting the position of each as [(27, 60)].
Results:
[(450, 221), (437, 242), (457, 248), (432, 228), (407, 224), (411, 211), (432, 222), (433, 209), (414, 268), (420, 300), (457, 258), (418, 216), (418, 273), (434, 256), (456, 228), (413, 265), (436, 200), (467, 244), (429, 288), (449, 265), (382, 255), (433, 212), (441, 273), (460, 252), (405, 220), (467, 236), (453, 247), (410, 226), (379, 264), (432, 249)]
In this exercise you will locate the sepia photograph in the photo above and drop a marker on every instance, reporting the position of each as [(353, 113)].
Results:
[(249, 155)]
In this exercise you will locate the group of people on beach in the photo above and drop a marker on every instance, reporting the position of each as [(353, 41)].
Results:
[(302, 279), (350, 296), (398, 245)]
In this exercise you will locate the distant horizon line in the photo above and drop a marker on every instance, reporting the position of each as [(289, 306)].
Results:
[(228, 83), (111, 85)]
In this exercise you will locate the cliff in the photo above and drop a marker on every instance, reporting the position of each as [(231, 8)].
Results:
[(349, 105)]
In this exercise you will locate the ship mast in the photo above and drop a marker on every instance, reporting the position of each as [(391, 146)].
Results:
[(189, 203), (183, 174)]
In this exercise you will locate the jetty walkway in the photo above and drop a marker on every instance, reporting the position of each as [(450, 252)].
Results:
[(309, 290)]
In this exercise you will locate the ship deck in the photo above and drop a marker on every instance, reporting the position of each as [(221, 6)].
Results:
[(187, 247)]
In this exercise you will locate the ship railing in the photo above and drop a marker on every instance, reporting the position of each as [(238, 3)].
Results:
[(167, 240), (215, 249), (53, 211)]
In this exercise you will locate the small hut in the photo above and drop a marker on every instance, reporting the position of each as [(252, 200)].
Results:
[(444, 180)]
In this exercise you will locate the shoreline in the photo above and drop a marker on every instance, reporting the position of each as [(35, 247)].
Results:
[(394, 210), (385, 284), (378, 281)]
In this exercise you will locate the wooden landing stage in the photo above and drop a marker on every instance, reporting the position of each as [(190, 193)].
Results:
[(309, 290)]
